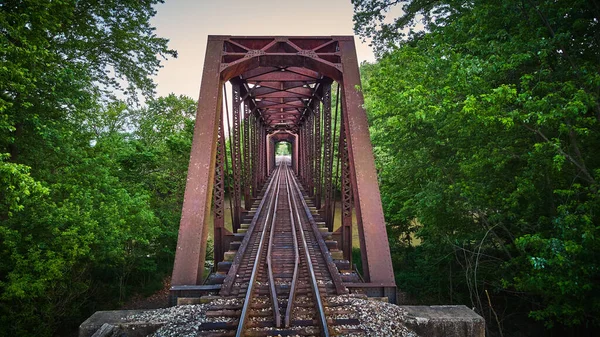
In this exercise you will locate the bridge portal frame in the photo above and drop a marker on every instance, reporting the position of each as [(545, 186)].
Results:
[(220, 67)]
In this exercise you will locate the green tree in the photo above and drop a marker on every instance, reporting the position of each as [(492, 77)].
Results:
[(283, 149), (61, 57), (74, 236), (156, 160), (486, 126)]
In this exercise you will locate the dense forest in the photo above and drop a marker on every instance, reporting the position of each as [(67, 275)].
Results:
[(485, 121), (91, 185)]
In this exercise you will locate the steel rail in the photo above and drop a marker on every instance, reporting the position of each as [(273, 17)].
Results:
[(272, 286), (246, 307), (292, 295), (313, 278), (227, 285)]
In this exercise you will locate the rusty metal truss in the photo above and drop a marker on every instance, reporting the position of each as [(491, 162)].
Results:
[(281, 90)]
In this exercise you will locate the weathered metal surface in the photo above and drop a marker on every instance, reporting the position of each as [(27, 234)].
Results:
[(219, 195), (346, 185), (302, 156), (270, 157), (310, 160), (318, 152), (334, 177), (247, 53), (305, 155), (369, 212), (191, 243), (281, 83), (255, 157), (263, 154), (261, 157), (228, 283), (247, 158), (236, 160), (327, 155), (337, 281)]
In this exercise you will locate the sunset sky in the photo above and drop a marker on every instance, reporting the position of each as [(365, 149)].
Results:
[(187, 23)]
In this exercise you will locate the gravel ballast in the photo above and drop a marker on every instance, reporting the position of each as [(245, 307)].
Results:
[(376, 318)]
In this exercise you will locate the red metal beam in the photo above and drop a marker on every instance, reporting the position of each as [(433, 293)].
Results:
[(377, 261), (280, 106), (188, 268), (304, 71), (281, 76), (283, 94)]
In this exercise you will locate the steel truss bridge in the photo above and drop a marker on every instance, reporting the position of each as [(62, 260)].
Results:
[(287, 252)]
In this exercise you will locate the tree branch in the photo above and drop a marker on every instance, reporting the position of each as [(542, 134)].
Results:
[(580, 166)]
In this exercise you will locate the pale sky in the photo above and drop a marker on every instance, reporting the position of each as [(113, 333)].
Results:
[(187, 23)]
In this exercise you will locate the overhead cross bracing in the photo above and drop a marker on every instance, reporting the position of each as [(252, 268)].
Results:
[(282, 95), (302, 90)]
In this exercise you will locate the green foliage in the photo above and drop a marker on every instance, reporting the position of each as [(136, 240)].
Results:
[(486, 132), (86, 224), (157, 161), (17, 187), (283, 149), (91, 187), (102, 222)]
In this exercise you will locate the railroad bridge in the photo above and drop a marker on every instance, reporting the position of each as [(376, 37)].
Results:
[(285, 256), (255, 93)]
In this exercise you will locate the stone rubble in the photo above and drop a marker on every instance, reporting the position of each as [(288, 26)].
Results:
[(181, 320), (377, 318)]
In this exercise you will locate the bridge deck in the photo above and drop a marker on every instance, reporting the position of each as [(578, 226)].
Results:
[(283, 273)]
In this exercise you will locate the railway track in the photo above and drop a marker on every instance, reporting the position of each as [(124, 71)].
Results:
[(282, 274), (283, 269)]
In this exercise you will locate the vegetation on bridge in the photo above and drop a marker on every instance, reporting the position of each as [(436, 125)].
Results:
[(485, 119)]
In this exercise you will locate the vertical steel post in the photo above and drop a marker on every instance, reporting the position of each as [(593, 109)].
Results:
[(255, 158), (327, 155), (263, 158), (188, 267), (264, 150), (261, 149), (257, 154), (251, 154), (272, 154), (311, 158), (295, 154), (367, 200), (236, 164), (306, 157), (219, 196), (318, 179), (270, 162), (301, 154), (346, 189), (247, 166), (313, 154)]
